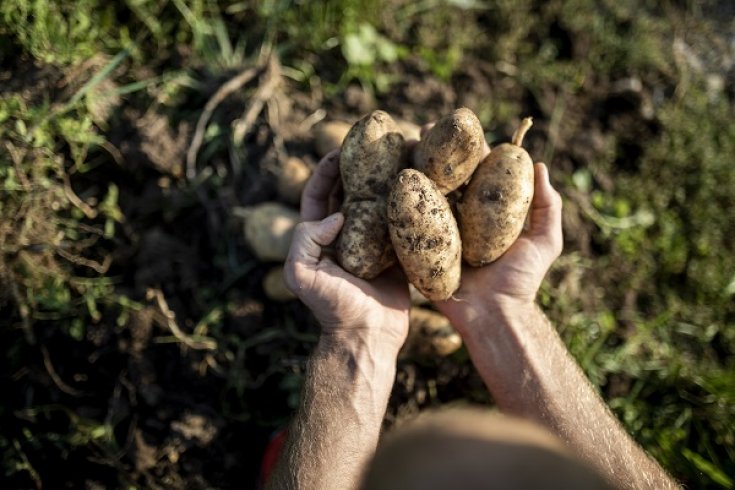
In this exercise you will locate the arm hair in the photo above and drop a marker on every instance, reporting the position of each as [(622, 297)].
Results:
[(530, 373)]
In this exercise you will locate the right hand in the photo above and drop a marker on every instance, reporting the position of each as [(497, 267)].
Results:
[(513, 280), (347, 307)]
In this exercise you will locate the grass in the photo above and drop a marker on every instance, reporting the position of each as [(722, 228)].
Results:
[(643, 296)]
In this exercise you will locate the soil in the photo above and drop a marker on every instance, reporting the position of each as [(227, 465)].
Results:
[(184, 414)]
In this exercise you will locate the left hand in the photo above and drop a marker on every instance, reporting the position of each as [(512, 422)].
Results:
[(514, 279), (346, 306)]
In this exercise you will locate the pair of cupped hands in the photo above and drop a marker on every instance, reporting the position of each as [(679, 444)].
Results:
[(348, 307)]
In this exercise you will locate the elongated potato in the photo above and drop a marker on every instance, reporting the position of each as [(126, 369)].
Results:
[(424, 235), (450, 151), (363, 246), (372, 154), (494, 205)]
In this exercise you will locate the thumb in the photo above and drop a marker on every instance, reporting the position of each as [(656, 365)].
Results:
[(545, 216), (306, 247)]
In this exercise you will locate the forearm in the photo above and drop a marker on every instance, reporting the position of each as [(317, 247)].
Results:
[(337, 427), (531, 374)]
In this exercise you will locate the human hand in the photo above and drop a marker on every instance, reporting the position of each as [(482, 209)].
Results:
[(347, 307), (513, 280)]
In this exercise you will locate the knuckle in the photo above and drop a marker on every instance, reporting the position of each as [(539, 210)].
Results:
[(299, 231)]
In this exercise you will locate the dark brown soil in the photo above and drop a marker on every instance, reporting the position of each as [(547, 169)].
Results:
[(189, 416)]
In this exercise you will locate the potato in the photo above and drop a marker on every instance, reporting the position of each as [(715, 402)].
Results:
[(494, 205), (411, 131), (430, 335), (269, 229), (450, 151), (372, 154), (424, 235), (274, 285), (292, 177), (329, 136), (417, 299), (363, 246)]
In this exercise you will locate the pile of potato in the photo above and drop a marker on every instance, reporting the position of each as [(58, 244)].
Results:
[(394, 212), (427, 210)]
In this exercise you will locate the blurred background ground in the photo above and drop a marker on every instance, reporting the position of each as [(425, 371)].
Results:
[(138, 348)]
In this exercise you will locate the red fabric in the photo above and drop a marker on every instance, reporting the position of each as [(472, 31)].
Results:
[(272, 451)]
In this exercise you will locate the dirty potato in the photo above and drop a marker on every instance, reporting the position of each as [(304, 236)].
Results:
[(292, 177), (430, 335), (495, 203), (274, 285), (372, 154), (450, 151), (424, 235), (417, 299), (329, 136), (363, 246), (411, 131), (269, 228)]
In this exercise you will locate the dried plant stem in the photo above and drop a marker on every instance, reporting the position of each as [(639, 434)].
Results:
[(521, 131), (231, 86), (169, 321)]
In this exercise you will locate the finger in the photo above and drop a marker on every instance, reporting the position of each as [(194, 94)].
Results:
[(315, 198), (485, 148), (310, 236), (545, 213), (336, 196), (306, 248)]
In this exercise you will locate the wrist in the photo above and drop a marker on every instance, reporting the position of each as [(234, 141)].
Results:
[(380, 338), (361, 370), (503, 303), (474, 314), (358, 344), (504, 346), (361, 353), (497, 316)]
